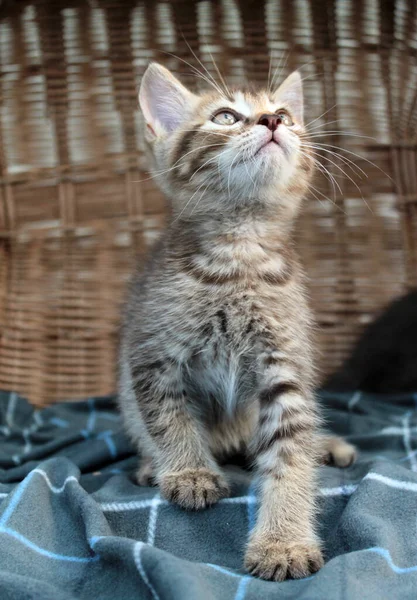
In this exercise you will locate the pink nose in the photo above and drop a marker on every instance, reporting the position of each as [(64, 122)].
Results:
[(270, 121)]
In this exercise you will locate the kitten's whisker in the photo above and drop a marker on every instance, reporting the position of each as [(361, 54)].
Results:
[(317, 198), (222, 80), (188, 202), (327, 198), (208, 161), (176, 165), (246, 166), (199, 60), (204, 78), (357, 156), (268, 82), (348, 162), (230, 172), (321, 125), (208, 72), (313, 61), (350, 179), (326, 173), (200, 198), (320, 116), (336, 133), (226, 135), (280, 69), (195, 150), (197, 72), (308, 76)]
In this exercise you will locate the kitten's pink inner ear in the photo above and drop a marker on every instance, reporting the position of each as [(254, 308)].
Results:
[(164, 101), (290, 95)]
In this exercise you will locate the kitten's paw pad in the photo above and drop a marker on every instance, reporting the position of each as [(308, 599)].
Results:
[(145, 475), (277, 561), (340, 453), (193, 489)]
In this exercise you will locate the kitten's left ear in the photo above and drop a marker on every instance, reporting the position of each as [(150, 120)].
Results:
[(290, 93), (164, 101)]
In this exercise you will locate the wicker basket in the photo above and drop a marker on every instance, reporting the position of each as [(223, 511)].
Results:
[(76, 207)]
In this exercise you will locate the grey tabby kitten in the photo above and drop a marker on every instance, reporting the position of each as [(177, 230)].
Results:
[(216, 353)]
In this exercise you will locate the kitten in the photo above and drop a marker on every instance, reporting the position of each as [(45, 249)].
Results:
[(385, 357), (216, 349)]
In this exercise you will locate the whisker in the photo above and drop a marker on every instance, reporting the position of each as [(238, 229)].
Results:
[(318, 199), (200, 198), (176, 165), (230, 172), (188, 202), (352, 165), (222, 80), (208, 72), (327, 198), (208, 161), (321, 125), (281, 68), (308, 77), (326, 173), (246, 166), (268, 82), (320, 116), (207, 132), (197, 72), (337, 133), (350, 179), (361, 158)]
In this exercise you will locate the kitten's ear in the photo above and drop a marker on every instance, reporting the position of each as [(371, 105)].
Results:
[(290, 94), (164, 101)]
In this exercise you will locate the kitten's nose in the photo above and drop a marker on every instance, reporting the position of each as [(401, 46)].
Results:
[(270, 121)]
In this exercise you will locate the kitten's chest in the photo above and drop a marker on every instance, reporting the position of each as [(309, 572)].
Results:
[(224, 371)]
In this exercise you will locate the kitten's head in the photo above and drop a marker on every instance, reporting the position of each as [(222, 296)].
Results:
[(222, 149)]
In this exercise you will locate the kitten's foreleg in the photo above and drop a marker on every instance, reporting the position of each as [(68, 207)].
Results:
[(185, 470), (284, 541)]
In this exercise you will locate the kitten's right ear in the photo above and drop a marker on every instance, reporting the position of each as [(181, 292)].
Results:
[(164, 101)]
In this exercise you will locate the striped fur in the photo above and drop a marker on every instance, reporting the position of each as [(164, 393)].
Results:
[(216, 351)]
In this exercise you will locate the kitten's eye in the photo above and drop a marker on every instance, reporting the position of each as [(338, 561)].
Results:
[(225, 117), (285, 118)]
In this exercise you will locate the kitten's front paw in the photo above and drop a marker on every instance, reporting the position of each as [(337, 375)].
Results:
[(273, 560), (193, 489)]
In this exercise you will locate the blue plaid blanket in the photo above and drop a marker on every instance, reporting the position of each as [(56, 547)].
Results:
[(74, 525)]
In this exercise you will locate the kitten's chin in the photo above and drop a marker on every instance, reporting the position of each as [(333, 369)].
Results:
[(270, 167), (271, 149)]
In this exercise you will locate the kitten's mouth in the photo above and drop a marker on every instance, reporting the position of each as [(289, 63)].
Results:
[(271, 142)]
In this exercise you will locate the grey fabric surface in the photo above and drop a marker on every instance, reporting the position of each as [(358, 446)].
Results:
[(74, 525)]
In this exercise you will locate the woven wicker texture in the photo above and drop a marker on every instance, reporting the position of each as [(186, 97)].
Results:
[(76, 206)]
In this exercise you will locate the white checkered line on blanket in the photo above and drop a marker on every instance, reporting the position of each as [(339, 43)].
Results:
[(52, 487), (26, 433), (393, 430), (347, 490), (152, 519), (157, 501), (138, 562), (407, 440), (341, 490)]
